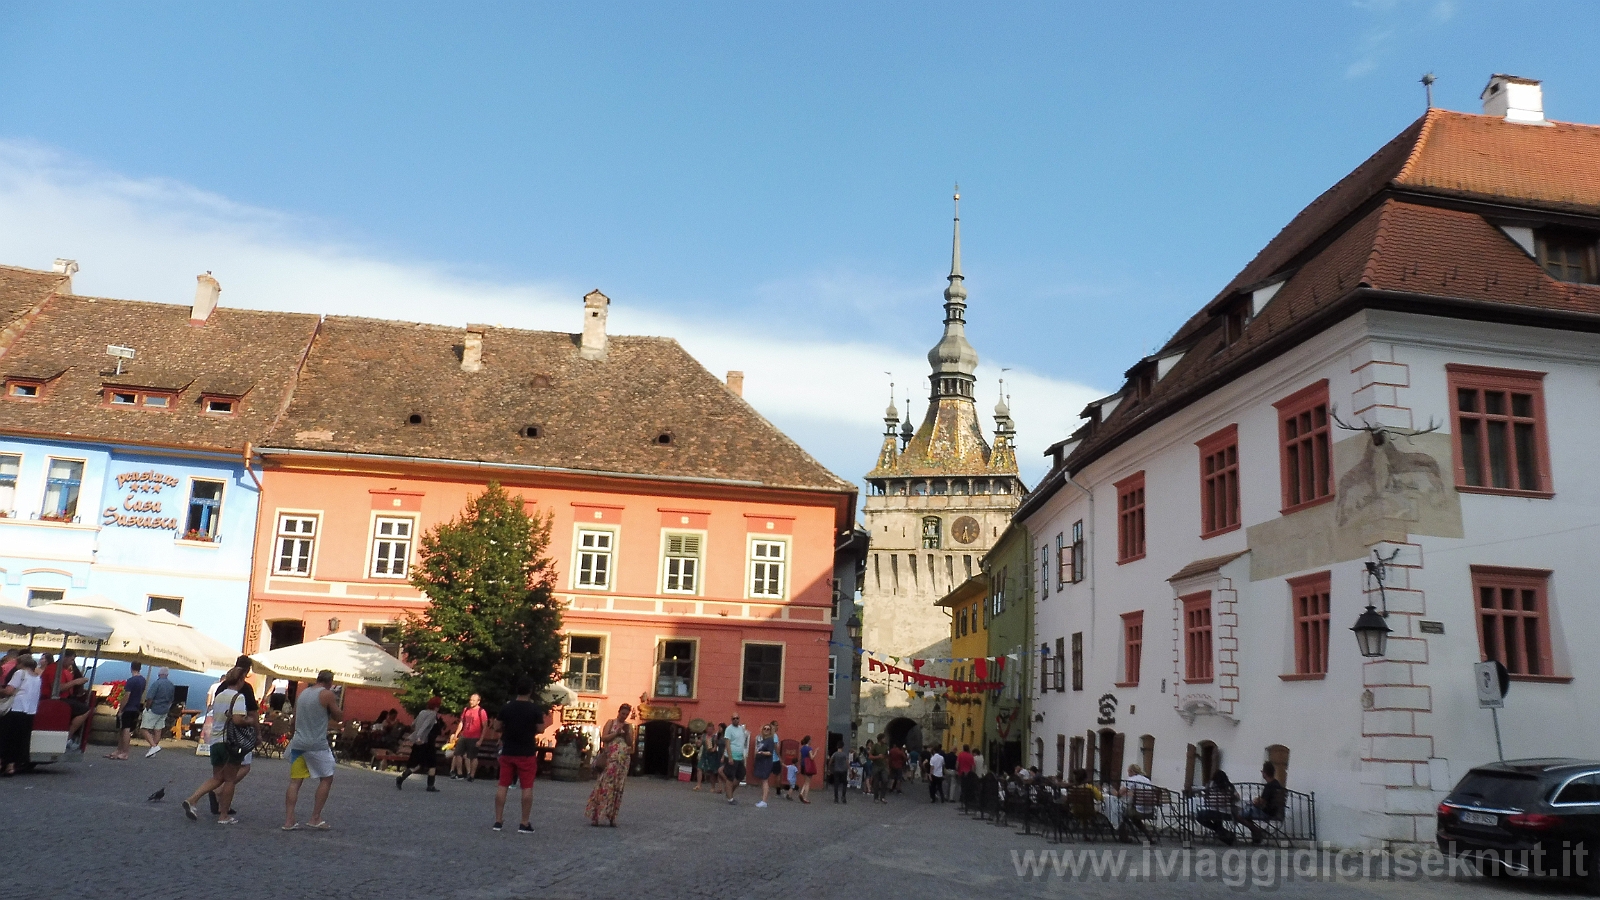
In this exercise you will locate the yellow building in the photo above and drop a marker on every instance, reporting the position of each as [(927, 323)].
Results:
[(969, 639)]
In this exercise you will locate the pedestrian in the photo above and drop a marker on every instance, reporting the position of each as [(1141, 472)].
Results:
[(807, 768), (227, 707), (897, 767), (521, 720), (19, 695), (839, 773), (128, 710), (8, 663), (766, 750), (950, 787), (253, 714), (710, 761), (880, 770), (964, 773), (735, 744), (616, 739), (63, 680), (979, 767), (425, 731), (158, 700), (469, 730), (935, 777), (310, 756)]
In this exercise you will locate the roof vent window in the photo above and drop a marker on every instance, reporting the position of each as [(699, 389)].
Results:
[(532, 431), (664, 438), (416, 419), (539, 382), (219, 407)]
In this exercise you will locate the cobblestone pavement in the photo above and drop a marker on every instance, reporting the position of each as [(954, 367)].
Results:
[(85, 830)]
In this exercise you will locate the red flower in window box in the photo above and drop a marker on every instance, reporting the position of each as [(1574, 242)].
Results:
[(43, 517), (195, 534)]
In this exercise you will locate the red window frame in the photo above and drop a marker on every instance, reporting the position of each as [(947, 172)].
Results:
[(1305, 447), (1311, 599), (1197, 660), (1132, 647), (140, 398), (1524, 450), (1511, 607), (36, 383), (1219, 482), (1130, 518)]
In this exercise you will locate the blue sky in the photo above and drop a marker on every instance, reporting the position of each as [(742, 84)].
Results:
[(769, 184)]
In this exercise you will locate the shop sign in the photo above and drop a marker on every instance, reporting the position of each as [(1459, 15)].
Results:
[(582, 711), (141, 508)]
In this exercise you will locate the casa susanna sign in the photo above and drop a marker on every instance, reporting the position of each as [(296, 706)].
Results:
[(141, 507)]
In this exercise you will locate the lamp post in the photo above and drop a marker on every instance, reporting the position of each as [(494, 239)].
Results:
[(1372, 632), (853, 627)]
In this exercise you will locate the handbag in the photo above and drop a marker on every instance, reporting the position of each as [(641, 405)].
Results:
[(241, 738), (599, 761), (808, 765)]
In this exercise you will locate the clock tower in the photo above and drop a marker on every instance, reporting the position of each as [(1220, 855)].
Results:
[(937, 500)]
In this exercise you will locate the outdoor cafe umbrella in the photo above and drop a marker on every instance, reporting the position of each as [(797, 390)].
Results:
[(177, 630), (131, 638), (355, 660), (20, 624), (558, 694)]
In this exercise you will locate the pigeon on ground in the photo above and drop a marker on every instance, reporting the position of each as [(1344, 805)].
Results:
[(161, 792)]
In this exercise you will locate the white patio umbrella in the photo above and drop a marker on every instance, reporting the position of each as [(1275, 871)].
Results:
[(167, 625), (558, 694), (131, 639), (355, 660), (19, 624)]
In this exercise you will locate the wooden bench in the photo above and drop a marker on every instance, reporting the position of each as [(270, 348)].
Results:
[(381, 757)]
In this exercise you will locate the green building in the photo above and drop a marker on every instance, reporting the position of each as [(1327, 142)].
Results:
[(1009, 615)]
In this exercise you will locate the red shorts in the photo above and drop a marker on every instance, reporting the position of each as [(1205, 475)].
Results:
[(514, 767)]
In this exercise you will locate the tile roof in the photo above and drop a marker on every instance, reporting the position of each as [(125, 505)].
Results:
[(1396, 232), (21, 292), (256, 352), (948, 442), (365, 378)]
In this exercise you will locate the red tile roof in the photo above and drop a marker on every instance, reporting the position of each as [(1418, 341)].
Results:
[(1406, 230)]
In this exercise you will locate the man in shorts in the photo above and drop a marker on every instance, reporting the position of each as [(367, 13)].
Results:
[(132, 704), (469, 729), (158, 700), (736, 742), (521, 720), (309, 753)]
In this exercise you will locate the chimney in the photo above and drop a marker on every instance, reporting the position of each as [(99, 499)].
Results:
[(205, 299), (472, 349), (66, 268), (1514, 98), (736, 383), (593, 345)]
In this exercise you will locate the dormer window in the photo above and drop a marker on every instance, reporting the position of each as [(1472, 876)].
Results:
[(18, 389), (1568, 255), (1235, 319), (143, 399), (220, 406)]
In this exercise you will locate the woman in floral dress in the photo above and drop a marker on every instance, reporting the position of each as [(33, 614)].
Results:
[(616, 742)]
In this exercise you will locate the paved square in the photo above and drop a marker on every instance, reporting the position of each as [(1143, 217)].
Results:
[(86, 830)]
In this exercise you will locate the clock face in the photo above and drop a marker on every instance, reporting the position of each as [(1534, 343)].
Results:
[(964, 529)]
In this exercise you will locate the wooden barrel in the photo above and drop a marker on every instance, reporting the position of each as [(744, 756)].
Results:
[(566, 763)]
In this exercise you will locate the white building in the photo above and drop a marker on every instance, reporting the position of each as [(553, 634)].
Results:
[(1230, 497)]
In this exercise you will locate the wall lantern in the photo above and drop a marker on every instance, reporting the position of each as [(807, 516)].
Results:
[(1372, 632), (854, 627), (333, 624)]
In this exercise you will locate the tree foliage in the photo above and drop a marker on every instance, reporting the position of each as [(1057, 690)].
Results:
[(492, 617)]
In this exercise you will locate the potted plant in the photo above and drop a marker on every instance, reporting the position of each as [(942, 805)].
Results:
[(571, 758)]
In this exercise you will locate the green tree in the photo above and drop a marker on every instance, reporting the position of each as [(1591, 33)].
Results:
[(492, 618)]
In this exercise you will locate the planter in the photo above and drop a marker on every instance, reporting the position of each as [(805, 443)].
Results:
[(567, 763)]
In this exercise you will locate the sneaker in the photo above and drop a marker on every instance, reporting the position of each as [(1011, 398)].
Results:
[(188, 810), (730, 801), (499, 826), (153, 751), (761, 804), (524, 829), (216, 808), (228, 821)]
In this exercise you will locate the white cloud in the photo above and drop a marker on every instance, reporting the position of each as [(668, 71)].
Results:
[(147, 239)]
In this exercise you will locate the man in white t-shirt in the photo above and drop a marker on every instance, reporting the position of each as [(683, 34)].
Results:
[(228, 705), (935, 777), (736, 743)]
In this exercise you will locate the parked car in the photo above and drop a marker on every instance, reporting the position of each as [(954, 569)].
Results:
[(1538, 817)]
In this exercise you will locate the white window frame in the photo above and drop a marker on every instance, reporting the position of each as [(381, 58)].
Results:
[(188, 501), (605, 656), (694, 671), (279, 535), (9, 510), (833, 673), (150, 600), (783, 668), (672, 581), (579, 551), (783, 563), (378, 537)]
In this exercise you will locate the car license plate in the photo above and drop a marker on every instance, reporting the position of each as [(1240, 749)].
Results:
[(1478, 818)]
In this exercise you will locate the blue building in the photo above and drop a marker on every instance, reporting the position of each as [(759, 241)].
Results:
[(125, 445)]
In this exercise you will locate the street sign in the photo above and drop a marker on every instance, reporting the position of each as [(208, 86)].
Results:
[(1493, 681)]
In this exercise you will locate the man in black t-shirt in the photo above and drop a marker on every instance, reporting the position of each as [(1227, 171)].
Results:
[(1266, 808), (521, 720)]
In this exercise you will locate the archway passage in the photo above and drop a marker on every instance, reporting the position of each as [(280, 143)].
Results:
[(661, 742), (901, 731)]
